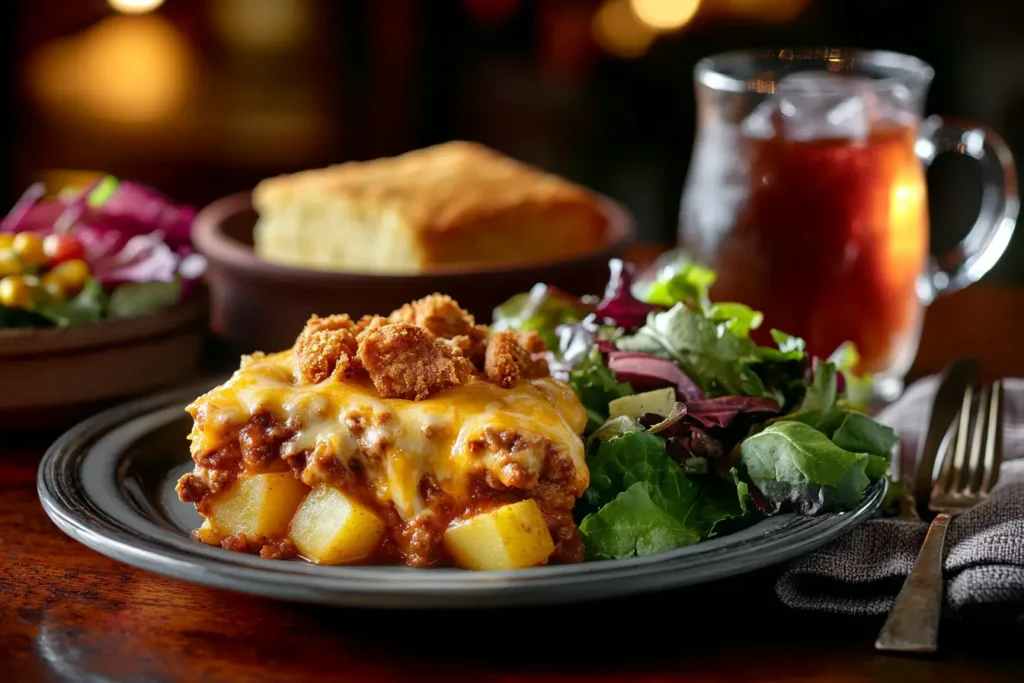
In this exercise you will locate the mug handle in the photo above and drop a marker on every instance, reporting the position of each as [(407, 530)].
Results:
[(1000, 204)]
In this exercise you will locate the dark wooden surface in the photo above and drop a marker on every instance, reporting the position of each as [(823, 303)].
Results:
[(70, 614)]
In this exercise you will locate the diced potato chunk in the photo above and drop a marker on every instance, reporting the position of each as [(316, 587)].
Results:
[(207, 534), (513, 536), (332, 528), (257, 506)]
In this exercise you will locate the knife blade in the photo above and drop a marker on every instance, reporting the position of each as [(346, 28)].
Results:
[(945, 408)]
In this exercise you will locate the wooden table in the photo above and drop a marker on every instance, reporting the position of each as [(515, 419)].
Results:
[(70, 614)]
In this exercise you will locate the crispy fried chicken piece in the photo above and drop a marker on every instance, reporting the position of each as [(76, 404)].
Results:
[(472, 346), (442, 316), (439, 314), (326, 348), (508, 360), (367, 324), (406, 361), (531, 341)]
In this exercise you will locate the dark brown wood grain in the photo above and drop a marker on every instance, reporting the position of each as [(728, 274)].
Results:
[(70, 614)]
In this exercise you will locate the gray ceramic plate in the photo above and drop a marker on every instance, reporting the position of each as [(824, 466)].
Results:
[(109, 483)]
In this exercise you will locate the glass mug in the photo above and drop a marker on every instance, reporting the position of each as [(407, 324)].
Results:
[(806, 194)]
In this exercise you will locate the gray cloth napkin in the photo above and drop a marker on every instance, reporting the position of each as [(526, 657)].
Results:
[(862, 572)]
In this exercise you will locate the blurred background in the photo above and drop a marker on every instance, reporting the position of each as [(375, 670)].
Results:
[(205, 97)]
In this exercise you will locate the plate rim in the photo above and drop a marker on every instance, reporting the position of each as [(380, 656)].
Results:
[(402, 587)]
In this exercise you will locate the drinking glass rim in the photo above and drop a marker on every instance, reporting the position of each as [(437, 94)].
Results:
[(710, 73)]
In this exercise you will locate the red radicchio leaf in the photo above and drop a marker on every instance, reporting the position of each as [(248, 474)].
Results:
[(574, 342), (619, 307), (664, 423), (138, 209), (147, 258), (36, 217), (647, 372), (133, 209), (28, 200), (690, 441), (144, 258), (721, 411)]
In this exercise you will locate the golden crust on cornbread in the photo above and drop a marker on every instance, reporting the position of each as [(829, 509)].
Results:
[(419, 437), (457, 202)]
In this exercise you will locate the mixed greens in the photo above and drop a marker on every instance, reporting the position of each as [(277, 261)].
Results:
[(694, 429), (114, 249)]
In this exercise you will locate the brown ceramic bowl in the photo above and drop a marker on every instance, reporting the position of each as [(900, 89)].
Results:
[(262, 306), (51, 378)]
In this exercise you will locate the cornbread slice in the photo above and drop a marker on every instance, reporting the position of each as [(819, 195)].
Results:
[(453, 203)]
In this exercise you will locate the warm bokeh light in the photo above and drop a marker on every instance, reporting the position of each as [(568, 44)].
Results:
[(664, 15), (124, 69), (618, 31), (134, 6), (261, 25)]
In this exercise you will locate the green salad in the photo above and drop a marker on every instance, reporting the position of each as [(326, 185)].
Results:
[(694, 429)]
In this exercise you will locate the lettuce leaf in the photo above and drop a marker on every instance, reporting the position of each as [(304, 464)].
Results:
[(139, 298), (596, 386), (644, 503), (684, 282), (11, 318), (790, 348), (857, 389), (721, 501), (859, 433), (639, 457), (540, 310), (796, 466), (619, 426), (89, 305), (824, 390), (634, 524), (706, 350), (739, 319)]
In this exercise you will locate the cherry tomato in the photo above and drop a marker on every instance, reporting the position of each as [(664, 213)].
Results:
[(72, 273), (6, 240), (54, 286), (9, 263), (15, 291), (29, 248), (62, 247)]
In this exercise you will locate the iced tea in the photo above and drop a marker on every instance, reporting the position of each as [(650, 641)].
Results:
[(827, 236)]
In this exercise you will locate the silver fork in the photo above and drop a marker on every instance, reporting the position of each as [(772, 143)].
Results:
[(964, 480)]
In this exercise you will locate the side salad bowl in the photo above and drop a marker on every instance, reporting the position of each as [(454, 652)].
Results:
[(54, 377), (100, 300)]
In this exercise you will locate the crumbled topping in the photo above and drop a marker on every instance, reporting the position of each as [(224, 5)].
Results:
[(420, 349)]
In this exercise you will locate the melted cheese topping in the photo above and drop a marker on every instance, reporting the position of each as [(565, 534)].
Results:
[(398, 442)]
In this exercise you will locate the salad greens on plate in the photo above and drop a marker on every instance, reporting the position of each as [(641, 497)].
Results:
[(114, 249), (694, 429)]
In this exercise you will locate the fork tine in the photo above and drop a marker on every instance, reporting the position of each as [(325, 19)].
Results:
[(972, 475), (952, 466), (994, 439)]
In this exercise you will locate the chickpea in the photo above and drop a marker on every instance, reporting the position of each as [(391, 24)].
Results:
[(15, 291), (72, 273), (28, 246)]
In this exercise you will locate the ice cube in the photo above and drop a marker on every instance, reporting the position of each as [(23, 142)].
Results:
[(818, 104), (760, 123)]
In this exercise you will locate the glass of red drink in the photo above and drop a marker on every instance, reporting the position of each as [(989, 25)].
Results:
[(806, 194)]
